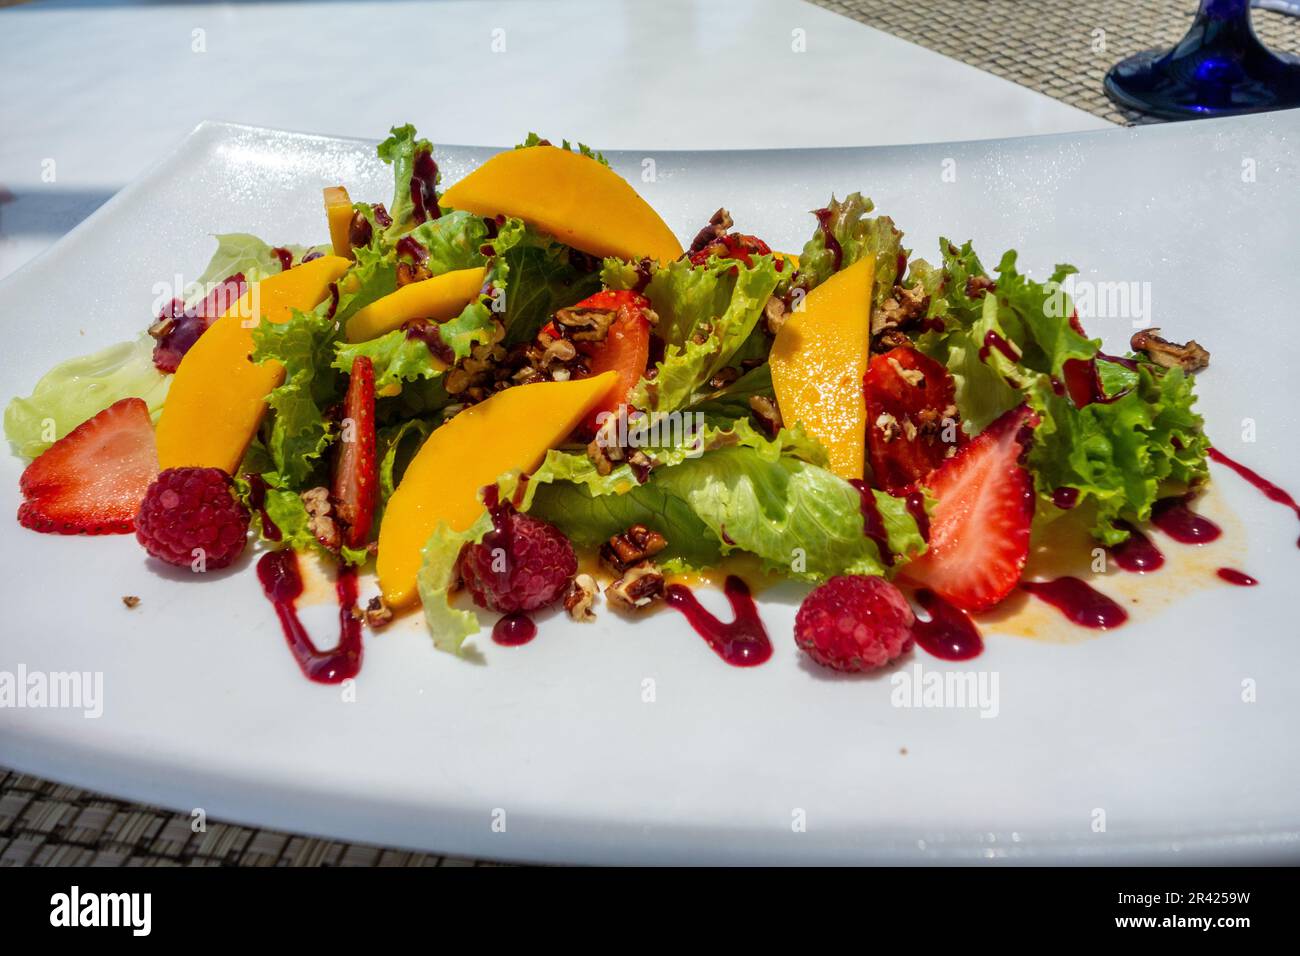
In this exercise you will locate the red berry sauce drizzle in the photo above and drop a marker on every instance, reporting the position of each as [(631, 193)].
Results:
[(257, 489), (742, 642), (1271, 491), (1239, 578), (1079, 602), (1138, 554), (281, 582), (949, 634), (1176, 519)]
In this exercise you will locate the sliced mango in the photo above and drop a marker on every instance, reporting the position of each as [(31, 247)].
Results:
[(218, 395), (818, 361), (338, 212), (511, 430), (440, 298), (576, 199)]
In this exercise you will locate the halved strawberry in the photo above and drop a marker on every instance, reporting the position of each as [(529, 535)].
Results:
[(624, 350), (912, 421), (356, 468), (979, 529), (92, 480)]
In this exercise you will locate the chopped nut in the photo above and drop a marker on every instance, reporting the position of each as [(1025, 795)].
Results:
[(561, 350), (584, 324), (978, 286), (580, 597), (596, 452), (774, 315), (1190, 357), (130, 600), (902, 306), (725, 377), (912, 376), (377, 612), (457, 381), (320, 517), (640, 587), (765, 410), (638, 543), (359, 230), (719, 225), (888, 426), (641, 465), (909, 429)]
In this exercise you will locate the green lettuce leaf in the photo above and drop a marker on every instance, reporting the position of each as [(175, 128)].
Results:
[(859, 235), (241, 252), (544, 276), (706, 314), (448, 626), (397, 358), (80, 388), (771, 497), (1011, 345), (305, 347), (581, 148), (399, 151)]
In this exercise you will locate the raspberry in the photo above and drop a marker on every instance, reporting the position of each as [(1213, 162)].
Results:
[(522, 564), (854, 623), (189, 508)]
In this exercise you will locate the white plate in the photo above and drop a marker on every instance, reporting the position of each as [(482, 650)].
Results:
[(205, 709)]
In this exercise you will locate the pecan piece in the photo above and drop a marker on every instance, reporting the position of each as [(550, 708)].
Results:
[(766, 412), (584, 324), (377, 612), (320, 517), (978, 286), (1190, 357), (579, 598), (638, 543), (719, 225), (902, 307), (636, 590)]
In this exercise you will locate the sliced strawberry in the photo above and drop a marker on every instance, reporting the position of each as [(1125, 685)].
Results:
[(979, 529), (912, 422), (625, 348), (92, 480), (356, 468)]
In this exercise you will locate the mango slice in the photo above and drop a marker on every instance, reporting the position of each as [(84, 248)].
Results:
[(338, 212), (218, 395), (440, 298), (818, 362), (576, 199), (511, 430)]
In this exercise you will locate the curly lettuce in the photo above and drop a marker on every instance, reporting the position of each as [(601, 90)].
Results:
[(1014, 343)]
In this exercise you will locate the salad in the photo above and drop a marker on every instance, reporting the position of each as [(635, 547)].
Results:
[(520, 392)]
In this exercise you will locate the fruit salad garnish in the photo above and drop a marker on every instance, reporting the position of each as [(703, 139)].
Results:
[(520, 392)]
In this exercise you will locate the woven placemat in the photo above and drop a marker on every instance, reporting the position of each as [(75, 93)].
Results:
[(49, 824), (1059, 47), (1051, 46)]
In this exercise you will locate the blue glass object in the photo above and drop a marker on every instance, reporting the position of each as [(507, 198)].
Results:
[(1220, 68)]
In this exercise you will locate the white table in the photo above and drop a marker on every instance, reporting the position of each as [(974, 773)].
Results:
[(104, 91)]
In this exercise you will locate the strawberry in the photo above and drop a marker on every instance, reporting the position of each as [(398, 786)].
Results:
[(356, 474), (625, 348), (910, 413), (979, 529), (92, 480)]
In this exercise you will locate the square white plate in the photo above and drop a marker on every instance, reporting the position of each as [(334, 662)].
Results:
[(635, 743)]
